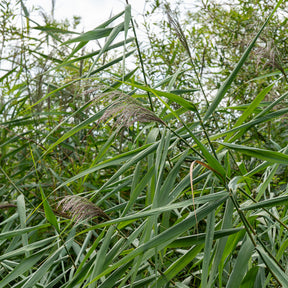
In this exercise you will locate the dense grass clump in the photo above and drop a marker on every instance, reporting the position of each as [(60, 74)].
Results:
[(172, 173)]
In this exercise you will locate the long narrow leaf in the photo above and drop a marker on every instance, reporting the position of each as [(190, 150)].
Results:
[(273, 267), (50, 216), (267, 155), (280, 200), (90, 35), (114, 33), (251, 108), (18, 232), (241, 264), (188, 241)]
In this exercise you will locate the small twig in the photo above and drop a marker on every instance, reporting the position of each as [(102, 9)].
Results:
[(7, 205)]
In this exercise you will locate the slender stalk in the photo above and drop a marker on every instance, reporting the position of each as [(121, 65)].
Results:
[(141, 62)]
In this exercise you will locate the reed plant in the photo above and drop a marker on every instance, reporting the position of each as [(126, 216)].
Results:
[(108, 180)]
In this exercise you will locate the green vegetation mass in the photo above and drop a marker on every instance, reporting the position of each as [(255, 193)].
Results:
[(146, 153)]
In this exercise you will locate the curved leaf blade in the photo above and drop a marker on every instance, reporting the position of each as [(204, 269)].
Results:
[(262, 154)]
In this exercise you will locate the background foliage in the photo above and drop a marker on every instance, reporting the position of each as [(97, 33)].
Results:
[(159, 163)]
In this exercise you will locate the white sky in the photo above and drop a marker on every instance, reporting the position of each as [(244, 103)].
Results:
[(92, 12)]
